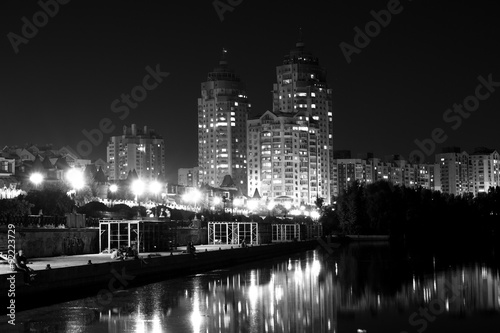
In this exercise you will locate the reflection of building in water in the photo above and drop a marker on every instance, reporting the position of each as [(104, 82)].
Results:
[(460, 290), (293, 299)]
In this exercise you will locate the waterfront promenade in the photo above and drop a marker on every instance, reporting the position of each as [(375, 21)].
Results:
[(72, 277), (40, 264)]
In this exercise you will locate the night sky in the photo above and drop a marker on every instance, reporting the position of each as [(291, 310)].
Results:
[(396, 90)]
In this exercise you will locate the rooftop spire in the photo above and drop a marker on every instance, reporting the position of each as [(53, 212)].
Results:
[(300, 42), (223, 60)]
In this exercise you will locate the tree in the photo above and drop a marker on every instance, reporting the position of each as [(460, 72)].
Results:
[(52, 201)]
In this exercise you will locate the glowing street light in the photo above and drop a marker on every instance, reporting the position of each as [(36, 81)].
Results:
[(113, 188), (252, 204), (75, 178), (155, 187), (36, 178), (217, 201), (137, 188), (315, 215)]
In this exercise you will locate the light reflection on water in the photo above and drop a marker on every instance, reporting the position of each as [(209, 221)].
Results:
[(310, 292)]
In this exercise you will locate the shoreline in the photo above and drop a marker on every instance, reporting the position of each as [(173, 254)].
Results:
[(83, 280)]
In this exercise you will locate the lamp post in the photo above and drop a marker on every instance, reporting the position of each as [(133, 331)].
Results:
[(113, 188), (76, 180), (155, 188), (137, 188)]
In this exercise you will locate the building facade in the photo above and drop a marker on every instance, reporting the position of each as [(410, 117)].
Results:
[(393, 169), (222, 115), (453, 171), (284, 158), (484, 170), (139, 149), (188, 177)]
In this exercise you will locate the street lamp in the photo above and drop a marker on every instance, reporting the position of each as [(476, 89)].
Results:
[(113, 188), (252, 205), (137, 189), (36, 178), (155, 188), (75, 178)]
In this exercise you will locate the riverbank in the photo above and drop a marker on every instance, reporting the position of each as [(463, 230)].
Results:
[(72, 276)]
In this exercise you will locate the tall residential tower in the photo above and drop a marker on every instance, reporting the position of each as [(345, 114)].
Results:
[(222, 114), (291, 147)]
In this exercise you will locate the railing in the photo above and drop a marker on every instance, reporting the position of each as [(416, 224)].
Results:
[(34, 221)]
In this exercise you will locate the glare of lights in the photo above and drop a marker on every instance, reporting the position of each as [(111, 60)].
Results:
[(138, 187), (113, 188), (192, 196), (36, 178), (217, 200), (75, 178), (315, 215), (252, 204), (295, 212), (316, 268), (288, 205), (155, 187), (238, 202), (270, 205)]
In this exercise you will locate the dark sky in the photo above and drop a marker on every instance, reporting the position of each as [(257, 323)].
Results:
[(394, 91)]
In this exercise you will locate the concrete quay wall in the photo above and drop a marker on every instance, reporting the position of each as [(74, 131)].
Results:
[(98, 279)]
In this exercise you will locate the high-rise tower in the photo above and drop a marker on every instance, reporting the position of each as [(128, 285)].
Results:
[(222, 114), (290, 148)]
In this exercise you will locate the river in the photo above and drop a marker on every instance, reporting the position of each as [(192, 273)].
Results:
[(354, 288)]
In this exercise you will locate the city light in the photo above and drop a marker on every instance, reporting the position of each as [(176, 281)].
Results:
[(75, 178), (155, 187), (138, 187), (252, 204), (36, 178), (192, 196), (217, 201), (113, 188)]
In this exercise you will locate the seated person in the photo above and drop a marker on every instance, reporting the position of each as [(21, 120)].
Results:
[(116, 255), (132, 252), (20, 265)]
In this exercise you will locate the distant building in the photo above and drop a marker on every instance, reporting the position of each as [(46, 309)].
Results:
[(484, 170), (452, 171), (222, 114), (188, 177), (139, 149), (7, 167), (393, 169)]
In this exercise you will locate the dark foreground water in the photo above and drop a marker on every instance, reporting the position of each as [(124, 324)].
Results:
[(356, 288)]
